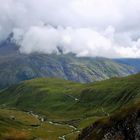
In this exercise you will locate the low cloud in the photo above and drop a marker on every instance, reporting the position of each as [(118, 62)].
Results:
[(82, 41), (84, 27)]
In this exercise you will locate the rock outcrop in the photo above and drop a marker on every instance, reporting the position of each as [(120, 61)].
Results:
[(126, 128)]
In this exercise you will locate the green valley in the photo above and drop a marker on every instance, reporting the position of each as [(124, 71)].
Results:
[(71, 105)]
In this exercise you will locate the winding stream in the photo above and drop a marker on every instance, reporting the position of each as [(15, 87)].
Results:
[(73, 129), (63, 137)]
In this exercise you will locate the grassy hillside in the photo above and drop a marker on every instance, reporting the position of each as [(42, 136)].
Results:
[(56, 95), (70, 103), (18, 125)]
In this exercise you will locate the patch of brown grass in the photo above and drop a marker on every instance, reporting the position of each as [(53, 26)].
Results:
[(16, 135)]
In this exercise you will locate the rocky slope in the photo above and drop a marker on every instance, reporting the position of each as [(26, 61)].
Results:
[(123, 125), (16, 67)]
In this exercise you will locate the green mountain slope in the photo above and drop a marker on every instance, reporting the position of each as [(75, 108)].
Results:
[(73, 103), (48, 93), (16, 67), (18, 125)]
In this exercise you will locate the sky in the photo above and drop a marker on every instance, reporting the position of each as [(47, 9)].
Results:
[(105, 28)]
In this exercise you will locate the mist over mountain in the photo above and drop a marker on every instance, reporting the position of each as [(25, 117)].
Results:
[(83, 27), (16, 66)]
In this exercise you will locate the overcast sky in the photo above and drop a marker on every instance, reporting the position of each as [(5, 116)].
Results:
[(107, 28)]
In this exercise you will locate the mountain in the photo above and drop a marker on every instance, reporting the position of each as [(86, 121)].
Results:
[(134, 62), (16, 67), (61, 102)]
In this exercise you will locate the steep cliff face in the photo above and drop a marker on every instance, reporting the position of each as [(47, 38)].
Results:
[(123, 127)]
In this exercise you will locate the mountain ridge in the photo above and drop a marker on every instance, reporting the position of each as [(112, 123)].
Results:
[(16, 67)]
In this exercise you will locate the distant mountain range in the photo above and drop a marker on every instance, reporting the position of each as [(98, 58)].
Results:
[(16, 67), (134, 62)]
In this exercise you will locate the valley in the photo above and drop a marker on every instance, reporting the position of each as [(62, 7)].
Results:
[(64, 109), (27, 126)]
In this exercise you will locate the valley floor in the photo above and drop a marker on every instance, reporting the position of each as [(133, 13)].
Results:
[(28, 125)]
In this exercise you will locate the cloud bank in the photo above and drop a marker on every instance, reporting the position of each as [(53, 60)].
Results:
[(85, 27)]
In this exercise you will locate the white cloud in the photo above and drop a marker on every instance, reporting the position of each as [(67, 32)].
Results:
[(82, 41), (87, 27)]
